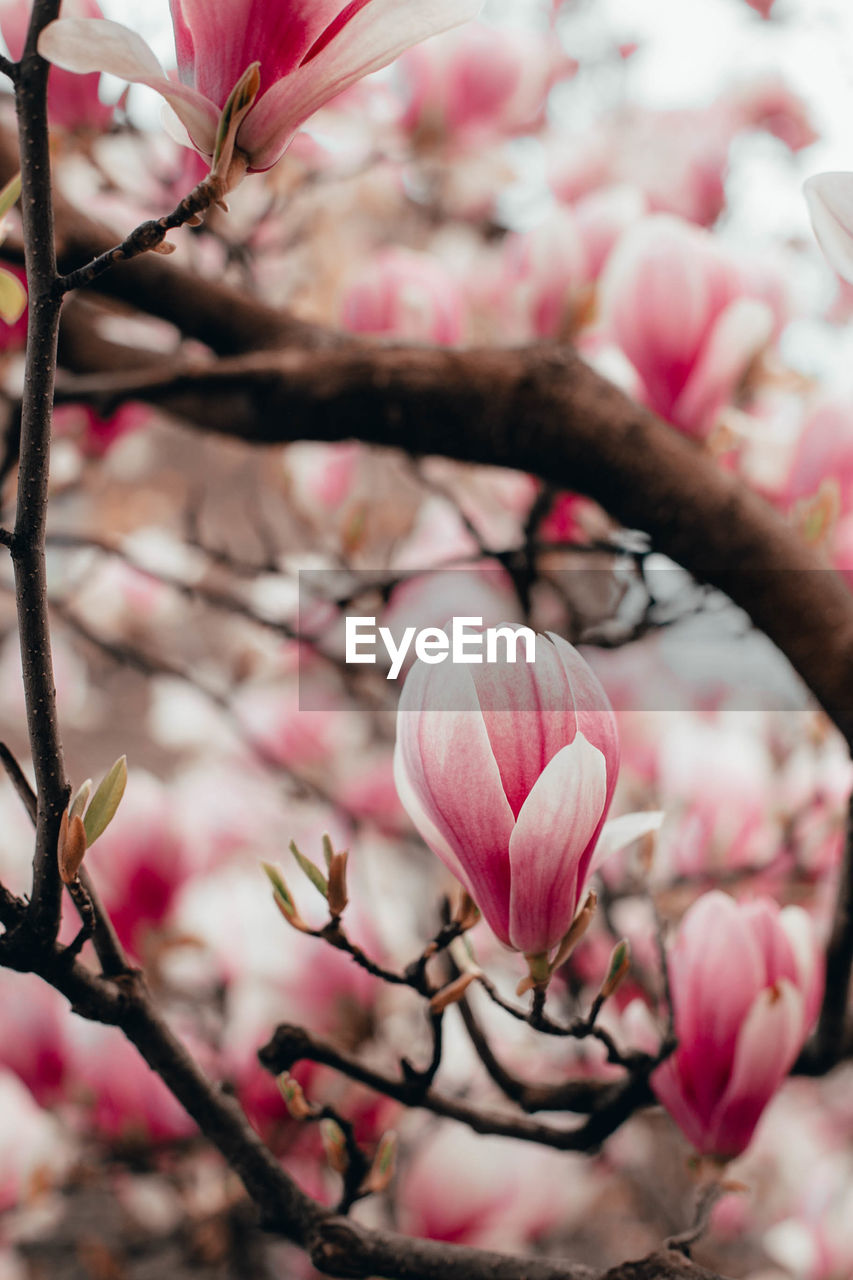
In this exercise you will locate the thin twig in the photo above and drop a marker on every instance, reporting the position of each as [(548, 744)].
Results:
[(145, 238), (291, 1044), (20, 782)]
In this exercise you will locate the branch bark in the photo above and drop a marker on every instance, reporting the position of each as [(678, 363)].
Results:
[(34, 468)]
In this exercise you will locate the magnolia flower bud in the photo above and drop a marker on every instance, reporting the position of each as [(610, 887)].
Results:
[(507, 770), (71, 847)]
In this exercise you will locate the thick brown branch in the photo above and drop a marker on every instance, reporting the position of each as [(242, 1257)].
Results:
[(540, 409), (346, 1249)]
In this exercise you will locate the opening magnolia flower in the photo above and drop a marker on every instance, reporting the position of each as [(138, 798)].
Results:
[(306, 52), (507, 771), (747, 980)]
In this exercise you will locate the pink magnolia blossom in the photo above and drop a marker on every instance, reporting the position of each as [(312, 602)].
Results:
[(678, 159), (768, 103), (818, 487), (405, 295), (73, 101), (38, 1051), (823, 456), (715, 783), (480, 82), (507, 770), (119, 1094), (601, 218), (746, 984), (474, 1190), (305, 52), (544, 278), (686, 318)]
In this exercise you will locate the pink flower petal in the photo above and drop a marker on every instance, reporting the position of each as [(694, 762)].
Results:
[(766, 1048), (618, 833), (596, 722), (808, 959), (675, 1094), (740, 333), (218, 39), (429, 832), (762, 917), (375, 36), (716, 972), (445, 756), (96, 44), (529, 712), (552, 833)]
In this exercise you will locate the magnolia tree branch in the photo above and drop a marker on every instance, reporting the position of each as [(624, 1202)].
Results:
[(27, 547)]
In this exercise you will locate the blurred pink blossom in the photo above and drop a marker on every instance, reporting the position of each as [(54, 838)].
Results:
[(38, 1051), (73, 101), (823, 455), (405, 295), (685, 316), (474, 1190), (716, 786), (678, 158), (746, 982), (121, 1096), (771, 105), (480, 82), (542, 286)]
